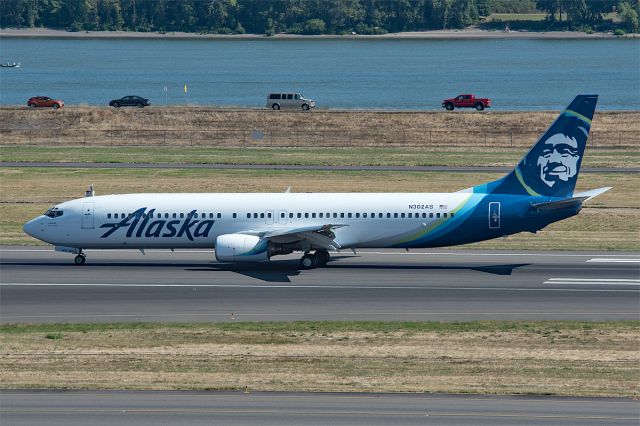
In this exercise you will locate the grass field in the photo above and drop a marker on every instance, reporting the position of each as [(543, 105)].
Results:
[(562, 358), (609, 222), (363, 156)]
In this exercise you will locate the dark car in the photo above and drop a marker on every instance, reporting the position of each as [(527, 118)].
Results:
[(44, 102), (135, 101)]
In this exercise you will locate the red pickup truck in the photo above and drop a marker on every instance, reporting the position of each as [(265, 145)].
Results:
[(466, 101)]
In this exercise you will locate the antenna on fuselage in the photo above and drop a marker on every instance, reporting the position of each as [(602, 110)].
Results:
[(90, 192)]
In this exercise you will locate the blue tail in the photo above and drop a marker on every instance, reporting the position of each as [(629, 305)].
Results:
[(552, 165)]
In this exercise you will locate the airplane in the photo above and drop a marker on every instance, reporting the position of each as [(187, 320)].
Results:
[(254, 227)]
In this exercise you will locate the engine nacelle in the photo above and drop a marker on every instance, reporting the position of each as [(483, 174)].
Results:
[(241, 248)]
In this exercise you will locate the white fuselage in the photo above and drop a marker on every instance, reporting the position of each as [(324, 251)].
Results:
[(196, 220)]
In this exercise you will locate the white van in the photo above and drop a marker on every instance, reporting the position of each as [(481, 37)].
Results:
[(289, 100)]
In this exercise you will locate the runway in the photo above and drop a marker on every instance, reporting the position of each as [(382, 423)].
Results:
[(457, 169), (40, 285), (53, 408)]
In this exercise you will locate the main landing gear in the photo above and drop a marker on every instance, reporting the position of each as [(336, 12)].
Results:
[(80, 258), (317, 259)]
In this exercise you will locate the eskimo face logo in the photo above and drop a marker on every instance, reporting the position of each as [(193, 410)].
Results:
[(559, 159)]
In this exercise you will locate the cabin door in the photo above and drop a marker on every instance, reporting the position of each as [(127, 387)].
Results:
[(494, 215), (87, 215)]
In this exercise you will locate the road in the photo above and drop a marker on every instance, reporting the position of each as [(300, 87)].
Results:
[(53, 408), (457, 169), (40, 285)]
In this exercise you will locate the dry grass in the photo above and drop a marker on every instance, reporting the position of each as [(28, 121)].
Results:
[(204, 126), (609, 222), (539, 358)]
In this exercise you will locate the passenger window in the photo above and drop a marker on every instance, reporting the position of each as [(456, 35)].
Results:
[(297, 96), (269, 215), (313, 215), (274, 96), (431, 215), (108, 215), (451, 214), (335, 215), (364, 215), (320, 215), (181, 215), (248, 215), (174, 215), (290, 215), (255, 215), (437, 214), (402, 215), (395, 215), (349, 215), (388, 215), (261, 215), (166, 215), (299, 215), (357, 215), (289, 96), (306, 215), (211, 215), (284, 96), (282, 215), (424, 215), (445, 215), (342, 215), (235, 215), (410, 215)]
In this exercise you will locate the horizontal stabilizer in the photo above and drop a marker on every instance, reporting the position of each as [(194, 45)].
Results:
[(593, 193), (575, 201)]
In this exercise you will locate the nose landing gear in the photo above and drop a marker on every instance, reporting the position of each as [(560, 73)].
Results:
[(317, 259), (80, 258)]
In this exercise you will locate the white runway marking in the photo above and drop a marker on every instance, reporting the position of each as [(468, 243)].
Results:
[(307, 286), (605, 260), (593, 281)]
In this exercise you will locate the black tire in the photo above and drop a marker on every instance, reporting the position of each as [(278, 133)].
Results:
[(479, 106), (321, 257), (449, 106), (116, 105), (305, 107), (79, 260), (140, 105), (32, 105), (55, 106), (307, 262), (275, 107)]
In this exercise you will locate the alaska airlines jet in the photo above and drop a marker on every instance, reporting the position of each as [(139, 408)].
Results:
[(256, 227)]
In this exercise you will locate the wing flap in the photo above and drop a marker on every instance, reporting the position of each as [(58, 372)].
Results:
[(316, 235)]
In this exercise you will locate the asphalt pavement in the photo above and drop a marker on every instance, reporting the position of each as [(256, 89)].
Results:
[(58, 408), (40, 285)]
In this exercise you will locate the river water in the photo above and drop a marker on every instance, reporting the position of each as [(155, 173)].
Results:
[(344, 73)]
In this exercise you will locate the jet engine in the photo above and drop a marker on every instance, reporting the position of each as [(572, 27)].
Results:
[(247, 248)]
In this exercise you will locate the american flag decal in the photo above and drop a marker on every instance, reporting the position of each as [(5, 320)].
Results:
[(443, 206)]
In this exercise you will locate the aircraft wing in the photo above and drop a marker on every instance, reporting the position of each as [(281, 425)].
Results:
[(317, 235)]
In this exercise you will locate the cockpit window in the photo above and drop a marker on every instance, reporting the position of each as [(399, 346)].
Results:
[(54, 212)]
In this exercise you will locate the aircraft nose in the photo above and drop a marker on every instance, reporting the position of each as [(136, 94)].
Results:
[(31, 227)]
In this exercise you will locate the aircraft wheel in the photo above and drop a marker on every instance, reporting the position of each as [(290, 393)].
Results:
[(80, 259), (307, 262), (322, 257)]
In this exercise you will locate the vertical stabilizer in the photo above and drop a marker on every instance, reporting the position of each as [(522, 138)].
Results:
[(552, 165)]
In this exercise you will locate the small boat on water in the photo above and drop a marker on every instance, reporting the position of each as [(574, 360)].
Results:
[(8, 65)]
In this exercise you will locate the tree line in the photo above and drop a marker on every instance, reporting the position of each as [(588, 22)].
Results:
[(303, 16)]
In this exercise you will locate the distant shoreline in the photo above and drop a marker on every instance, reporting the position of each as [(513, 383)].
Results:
[(465, 34)]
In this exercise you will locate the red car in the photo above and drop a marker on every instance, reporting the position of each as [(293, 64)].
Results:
[(44, 101), (466, 101)]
